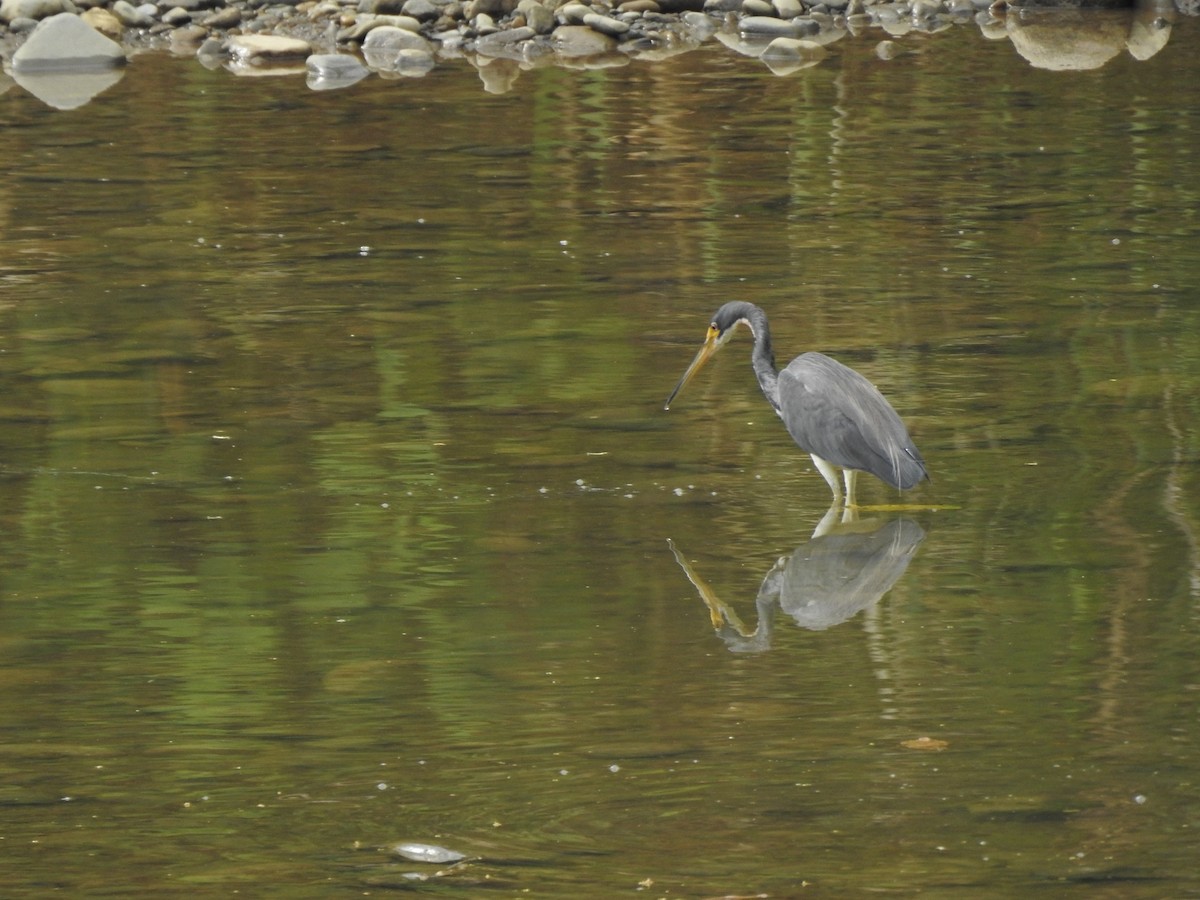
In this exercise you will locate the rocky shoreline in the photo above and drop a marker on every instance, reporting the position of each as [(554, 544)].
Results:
[(338, 42)]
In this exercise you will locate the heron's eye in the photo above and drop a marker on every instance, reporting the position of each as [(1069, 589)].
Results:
[(713, 330)]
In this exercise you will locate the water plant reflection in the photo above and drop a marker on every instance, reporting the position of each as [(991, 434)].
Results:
[(841, 571)]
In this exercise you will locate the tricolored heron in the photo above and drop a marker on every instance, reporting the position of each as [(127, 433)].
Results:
[(834, 414)]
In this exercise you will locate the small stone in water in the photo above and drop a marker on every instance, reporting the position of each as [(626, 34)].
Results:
[(430, 853)]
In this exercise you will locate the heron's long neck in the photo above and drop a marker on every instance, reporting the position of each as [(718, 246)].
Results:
[(763, 356)]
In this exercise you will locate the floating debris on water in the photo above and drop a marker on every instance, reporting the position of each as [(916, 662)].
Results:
[(430, 853)]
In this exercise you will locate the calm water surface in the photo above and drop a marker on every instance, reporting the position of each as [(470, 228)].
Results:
[(336, 489)]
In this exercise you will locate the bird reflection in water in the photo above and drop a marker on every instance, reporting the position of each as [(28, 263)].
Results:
[(822, 583)]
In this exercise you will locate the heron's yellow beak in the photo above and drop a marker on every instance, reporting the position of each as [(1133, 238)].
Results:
[(711, 345)]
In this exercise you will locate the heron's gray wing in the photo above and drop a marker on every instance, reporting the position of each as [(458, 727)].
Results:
[(834, 412)]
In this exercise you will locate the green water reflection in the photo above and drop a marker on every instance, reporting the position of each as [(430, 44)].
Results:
[(335, 488)]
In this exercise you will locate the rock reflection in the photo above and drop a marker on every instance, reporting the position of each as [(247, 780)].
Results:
[(68, 90), (845, 568), (1083, 39)]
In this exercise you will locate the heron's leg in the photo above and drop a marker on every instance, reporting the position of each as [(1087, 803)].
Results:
[(851, 477), (829, 473)]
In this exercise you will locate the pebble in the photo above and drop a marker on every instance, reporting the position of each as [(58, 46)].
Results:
[(573, 13), (391, 37), (177, 16), (605, 24), (256, 48), (537, 16), (580, 40), (771, 26), (104, 22), (758, 8), (229, 17), (133, 16), (501, 43), (421, 10)]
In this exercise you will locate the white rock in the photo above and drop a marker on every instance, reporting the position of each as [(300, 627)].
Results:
[(390, 37), (260, 48), (66, 43)]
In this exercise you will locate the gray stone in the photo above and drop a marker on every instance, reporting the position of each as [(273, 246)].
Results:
[(421, 10), (189, 36), (758, 8), (266, 48), (700, 26), (229, 17), (390, 37), (579, 40), (66, 43), (330, 71), (716, 6), (365, 24), (190, 5), (787, 9), (31, 9), (572, 13), (130, 15), (494, 8), (212, 48), (177, 16), (502, 43), (605, 24), (773, 27), (537, 16)]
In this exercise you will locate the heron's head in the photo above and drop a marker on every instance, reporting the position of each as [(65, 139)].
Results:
[(720, 329)]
